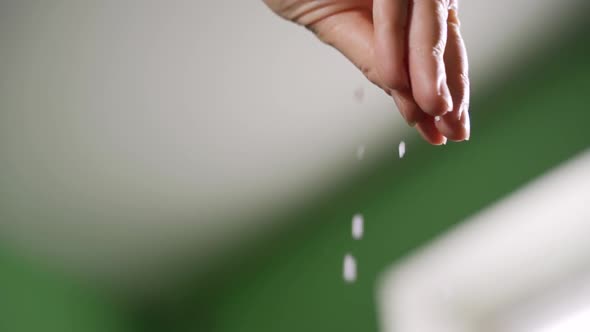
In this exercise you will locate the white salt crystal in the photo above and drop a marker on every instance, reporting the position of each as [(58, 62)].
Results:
[(358, 226), (360, 152), (402, 149), (359, 94), (349, 269)]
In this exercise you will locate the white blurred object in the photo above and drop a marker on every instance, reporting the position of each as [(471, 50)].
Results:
[(358, 226), (402, 149), (575, 322), (477, 276), (565, 308), (349, 269), (359, 94), (360, 152)]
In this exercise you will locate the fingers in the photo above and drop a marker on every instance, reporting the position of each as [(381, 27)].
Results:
[(427, 42), (408, 107), (377, 46), (352, 34), (390, 18), (390, 21), (455, 125), (429, 132)]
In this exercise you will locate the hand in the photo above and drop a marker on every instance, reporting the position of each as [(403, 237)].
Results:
[(412, 49)]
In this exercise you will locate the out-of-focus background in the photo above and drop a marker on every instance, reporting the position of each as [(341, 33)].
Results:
[(195, 166)]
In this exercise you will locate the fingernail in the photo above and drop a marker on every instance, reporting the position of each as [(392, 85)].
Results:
[(446, 94), (448, 102), (466, 124)]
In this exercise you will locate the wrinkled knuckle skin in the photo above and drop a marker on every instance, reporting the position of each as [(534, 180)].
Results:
[(394, 80), (464, 79), (372, 75)]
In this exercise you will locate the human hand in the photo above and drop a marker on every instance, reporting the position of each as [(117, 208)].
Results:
[(412, 49)]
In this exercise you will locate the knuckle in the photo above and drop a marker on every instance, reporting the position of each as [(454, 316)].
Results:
[(441, 7), (372, 75), (438, 49), (322, 32), (325, 30), (397, 83), (394, 80), (465, 82)]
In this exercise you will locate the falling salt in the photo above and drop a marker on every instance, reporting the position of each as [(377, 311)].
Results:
[(359, 94), (402, 149), (349, 269), (360, 152), (358, 226)]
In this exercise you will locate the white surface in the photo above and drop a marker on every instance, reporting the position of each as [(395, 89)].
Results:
[(574, 322), (182, 123), (564, 308), (473, 278)]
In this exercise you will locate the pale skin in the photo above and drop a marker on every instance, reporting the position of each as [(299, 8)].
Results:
[(412, 49)]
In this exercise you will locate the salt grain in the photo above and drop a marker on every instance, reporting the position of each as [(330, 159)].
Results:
[(359, 94), (360, 152), (358, 226), (349, 269), (402, 149)]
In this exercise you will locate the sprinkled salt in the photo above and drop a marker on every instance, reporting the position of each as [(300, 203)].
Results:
[(358, 226), (402, 149), (360, 152), (359, 94), (349, 269)]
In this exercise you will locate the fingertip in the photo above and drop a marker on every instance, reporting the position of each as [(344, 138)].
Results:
[(408, 107), (465, 119), (455, 128), (434, 99), (445, 94), (429, 132)]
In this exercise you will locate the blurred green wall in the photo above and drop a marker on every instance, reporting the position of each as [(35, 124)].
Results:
[(34, 299)]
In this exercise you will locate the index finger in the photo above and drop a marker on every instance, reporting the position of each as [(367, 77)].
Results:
[(390, 24), (427, 42)]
